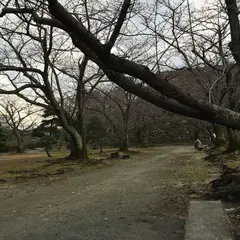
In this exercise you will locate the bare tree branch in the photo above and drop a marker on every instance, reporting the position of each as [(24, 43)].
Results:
[(232, 10), (122, 16)]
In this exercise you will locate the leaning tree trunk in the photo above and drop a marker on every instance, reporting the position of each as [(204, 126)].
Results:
[(233, 143), (47, 151)]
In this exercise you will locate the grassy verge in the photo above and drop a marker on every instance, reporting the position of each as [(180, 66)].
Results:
[(189, 176)]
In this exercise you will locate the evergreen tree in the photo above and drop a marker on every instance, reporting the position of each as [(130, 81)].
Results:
[(96, 132)]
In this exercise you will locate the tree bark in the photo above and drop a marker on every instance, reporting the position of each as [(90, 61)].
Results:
[(81, 131), (76, 153), (78, 150), (78, 146)]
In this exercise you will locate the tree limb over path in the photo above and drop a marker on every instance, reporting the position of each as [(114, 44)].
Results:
[(165, 94)]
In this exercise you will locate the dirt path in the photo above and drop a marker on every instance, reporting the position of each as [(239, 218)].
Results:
[(128, 200)]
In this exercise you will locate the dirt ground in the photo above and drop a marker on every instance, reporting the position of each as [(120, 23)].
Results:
[(143, 197)]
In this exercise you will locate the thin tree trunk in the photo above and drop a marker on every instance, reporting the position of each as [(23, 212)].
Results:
[(139, 137), (82, 154), (50, 133), (47, 151), (146, 139)]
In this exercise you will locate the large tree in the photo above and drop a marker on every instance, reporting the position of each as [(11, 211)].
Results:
[(76, 22), (41, 65)]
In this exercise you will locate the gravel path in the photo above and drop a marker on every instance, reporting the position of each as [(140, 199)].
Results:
[(124, 201)]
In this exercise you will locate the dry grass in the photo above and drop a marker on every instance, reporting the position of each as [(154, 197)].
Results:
[(27, 165), (32, 165), (190, 175), (191, 168)]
